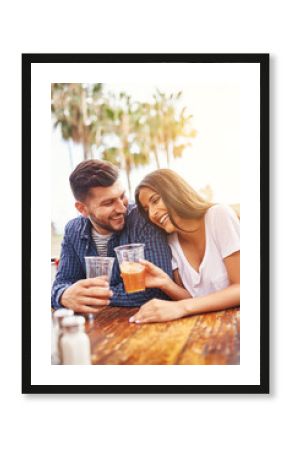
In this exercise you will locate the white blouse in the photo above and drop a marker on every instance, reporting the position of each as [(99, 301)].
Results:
[(222, 235)]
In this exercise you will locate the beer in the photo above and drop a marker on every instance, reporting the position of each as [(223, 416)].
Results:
[(133, 274)]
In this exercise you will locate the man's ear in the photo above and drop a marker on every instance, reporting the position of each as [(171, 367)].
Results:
[(81, 207)]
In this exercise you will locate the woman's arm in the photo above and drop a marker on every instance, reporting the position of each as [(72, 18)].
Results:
[(177, 278), (161, 311), (157, 278), (175, 289), (223, 299)]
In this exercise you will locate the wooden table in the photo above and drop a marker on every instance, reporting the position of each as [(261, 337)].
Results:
[(212, 338)]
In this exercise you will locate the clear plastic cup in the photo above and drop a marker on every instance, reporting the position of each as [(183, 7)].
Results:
[(97, 266), (132, 272)]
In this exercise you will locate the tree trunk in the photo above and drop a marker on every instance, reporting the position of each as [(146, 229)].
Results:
[(129, 181), (87, 151), (71, 161), (155, 153), (167, 156)]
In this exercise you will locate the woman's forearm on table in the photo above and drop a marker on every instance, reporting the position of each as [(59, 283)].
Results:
[(223, 299)]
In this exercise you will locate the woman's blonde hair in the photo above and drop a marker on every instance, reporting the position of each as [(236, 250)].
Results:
[(178, 196)]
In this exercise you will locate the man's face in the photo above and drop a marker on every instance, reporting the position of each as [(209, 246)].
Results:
[(105, 207)]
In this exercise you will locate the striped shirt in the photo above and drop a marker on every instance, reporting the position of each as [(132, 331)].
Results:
[(101, 242)]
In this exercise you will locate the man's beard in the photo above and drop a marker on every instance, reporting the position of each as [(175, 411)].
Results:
[(105, 226)]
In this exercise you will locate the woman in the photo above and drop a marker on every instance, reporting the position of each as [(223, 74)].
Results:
[(205, 243)]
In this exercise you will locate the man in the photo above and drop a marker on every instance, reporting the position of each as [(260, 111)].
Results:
[(106, 221)]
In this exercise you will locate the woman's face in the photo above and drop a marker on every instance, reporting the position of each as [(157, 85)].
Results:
[(152, 203)]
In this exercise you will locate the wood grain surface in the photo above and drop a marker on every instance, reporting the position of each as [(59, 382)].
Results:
[(212, 338)]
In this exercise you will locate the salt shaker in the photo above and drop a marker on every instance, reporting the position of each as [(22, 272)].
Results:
[(74, 343), (58, 315)]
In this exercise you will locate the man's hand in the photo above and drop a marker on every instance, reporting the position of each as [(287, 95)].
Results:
[(84, 295)]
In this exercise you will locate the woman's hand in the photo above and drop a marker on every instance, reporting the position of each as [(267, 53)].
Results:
[(159, 311), (154, 276)]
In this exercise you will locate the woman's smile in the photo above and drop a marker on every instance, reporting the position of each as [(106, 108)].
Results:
[(163, 218), (154, 206)]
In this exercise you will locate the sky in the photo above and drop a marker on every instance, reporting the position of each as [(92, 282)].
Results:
[(212, 159)]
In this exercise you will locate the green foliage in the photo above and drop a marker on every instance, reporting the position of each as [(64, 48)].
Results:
[(122, 131), (111, 154)]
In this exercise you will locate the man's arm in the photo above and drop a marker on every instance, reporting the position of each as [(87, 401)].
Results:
[(156, 250), (71, 289), (69, 271)]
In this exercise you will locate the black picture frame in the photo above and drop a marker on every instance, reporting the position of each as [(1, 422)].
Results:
[(263, 61)]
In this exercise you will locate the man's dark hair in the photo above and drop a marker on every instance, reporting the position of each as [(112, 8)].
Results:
[(90, 174)]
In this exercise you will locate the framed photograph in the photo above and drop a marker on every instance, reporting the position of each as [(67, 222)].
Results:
[(185, 140)]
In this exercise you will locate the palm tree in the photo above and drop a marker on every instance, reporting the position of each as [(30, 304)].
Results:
[(120, 130), (150, 123), (77, 109), (125, 128), (173, 129)]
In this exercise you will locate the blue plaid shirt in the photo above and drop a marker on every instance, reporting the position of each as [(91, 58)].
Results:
[(77, 243)]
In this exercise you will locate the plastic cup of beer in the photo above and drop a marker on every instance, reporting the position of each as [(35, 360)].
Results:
[(97, 266), (132, 272)]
